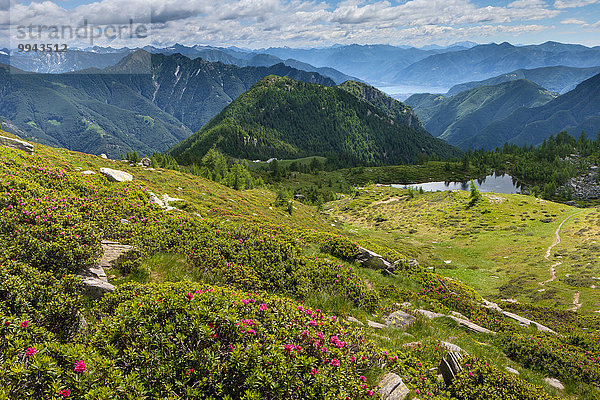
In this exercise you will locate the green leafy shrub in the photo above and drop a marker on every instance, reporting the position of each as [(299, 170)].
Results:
[(50, 302), (199, 341), (480, 381)]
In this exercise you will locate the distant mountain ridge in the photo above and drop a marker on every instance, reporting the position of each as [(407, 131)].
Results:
[(574, 112), (487, 61), (458, 118), (559, 79), (430, 66), (282, 118), (115, 110)]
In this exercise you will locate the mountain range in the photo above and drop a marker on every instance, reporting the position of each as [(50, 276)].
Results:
[(431, 66), (574, 112), (457, 118), (518, 112), (282, 118), (487, 61), (559, 79), (116, 110)]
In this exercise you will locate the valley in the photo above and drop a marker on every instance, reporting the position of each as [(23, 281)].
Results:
[(209, 213)]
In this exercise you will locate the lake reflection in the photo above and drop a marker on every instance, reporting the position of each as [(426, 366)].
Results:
[(491, 183)]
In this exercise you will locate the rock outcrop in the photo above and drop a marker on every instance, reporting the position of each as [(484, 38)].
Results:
[(391, 387), (583, 187), (399, 319), (521, 320), (450, 367), (463, 322), (94, 278), (163, 201), (115, 175), (16, 144), (370, 259)]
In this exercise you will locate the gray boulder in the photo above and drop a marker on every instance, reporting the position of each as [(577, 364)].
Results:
[(391, 387), (399, 319), (450, 367), (16, 144), (375, 325), (145, 162), (555, 383), (370, 259), (115, 175), (95, 288)]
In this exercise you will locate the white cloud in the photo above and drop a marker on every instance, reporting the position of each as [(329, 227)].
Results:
[(560, 4), (573, 21), (257, 23)]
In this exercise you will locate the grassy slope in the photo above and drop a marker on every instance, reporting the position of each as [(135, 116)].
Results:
[(210, 199), (499, 252)]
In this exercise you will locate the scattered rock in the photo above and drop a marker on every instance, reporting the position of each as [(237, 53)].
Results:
[(512, 370), (450, 367), (96, 288), (114, 175), (412, 344), (463, 322), (372, 260), (145, 162), (124, 221), (391, 387), (103, 156), (153, 199), (112, 251), (16, 144), (88, 172), (356, 321), (429, 314), (457, 314), (375, 325), (452, 347), (399, 319), (82, 324), (555, 383)]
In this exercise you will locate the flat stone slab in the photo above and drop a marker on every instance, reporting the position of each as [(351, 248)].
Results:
[(391, 387), (512, 370), (399, 319), (452, 347), (555, 383), (463, 322), (16, 144), (115, 175), (354, 320), (96, 288), (521, 320), (375, 325), (370, 259), (111, 252)]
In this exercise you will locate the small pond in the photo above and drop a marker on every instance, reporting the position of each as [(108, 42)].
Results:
[(492, 183)]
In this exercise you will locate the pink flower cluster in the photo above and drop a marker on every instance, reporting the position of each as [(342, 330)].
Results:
[(80, 366)]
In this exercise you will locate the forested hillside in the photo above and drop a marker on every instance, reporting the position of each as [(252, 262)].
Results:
[(283, 118), (456, 119), (146, 102)]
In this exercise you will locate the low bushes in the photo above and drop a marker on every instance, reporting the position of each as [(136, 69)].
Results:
[(480, 381)]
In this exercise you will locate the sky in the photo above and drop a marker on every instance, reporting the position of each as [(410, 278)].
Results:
[(298, 23)]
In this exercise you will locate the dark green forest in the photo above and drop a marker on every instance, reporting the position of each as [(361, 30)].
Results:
[(285, 119)]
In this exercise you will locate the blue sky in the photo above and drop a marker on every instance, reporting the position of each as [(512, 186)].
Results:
[(310, 23)]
